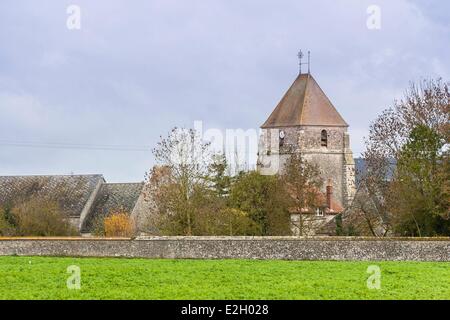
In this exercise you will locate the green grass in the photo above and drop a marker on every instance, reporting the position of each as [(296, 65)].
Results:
[(45, 278)]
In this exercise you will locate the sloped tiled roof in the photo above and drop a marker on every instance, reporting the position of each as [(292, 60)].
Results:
[(112, 197), (304, 104), (71, 192), (328, 228), (336, 206)]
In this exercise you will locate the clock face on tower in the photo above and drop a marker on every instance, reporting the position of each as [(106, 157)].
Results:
[(282, 134)]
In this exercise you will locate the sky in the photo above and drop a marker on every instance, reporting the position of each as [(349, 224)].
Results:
[(96, 99)]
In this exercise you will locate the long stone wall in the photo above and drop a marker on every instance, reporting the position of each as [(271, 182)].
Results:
[(289, 248)]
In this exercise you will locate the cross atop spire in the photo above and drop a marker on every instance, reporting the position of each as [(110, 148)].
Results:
[(300, 63)]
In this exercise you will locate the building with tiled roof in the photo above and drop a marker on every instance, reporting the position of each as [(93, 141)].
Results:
[(306, 122), (82, 198)]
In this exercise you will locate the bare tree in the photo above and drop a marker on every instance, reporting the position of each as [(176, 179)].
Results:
[(186, 160), (302, 183)]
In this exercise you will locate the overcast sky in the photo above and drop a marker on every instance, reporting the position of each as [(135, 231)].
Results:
[(135, 69)]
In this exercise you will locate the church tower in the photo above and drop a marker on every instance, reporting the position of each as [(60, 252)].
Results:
[(306, 122)]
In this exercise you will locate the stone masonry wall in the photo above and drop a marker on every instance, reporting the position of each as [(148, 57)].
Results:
[(335, 161), (289, 248)]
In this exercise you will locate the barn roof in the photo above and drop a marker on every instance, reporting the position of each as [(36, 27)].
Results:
[(112, 197), (71, 192), (304, 104)]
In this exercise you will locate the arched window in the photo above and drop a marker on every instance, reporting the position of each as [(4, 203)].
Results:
[(324, 138)]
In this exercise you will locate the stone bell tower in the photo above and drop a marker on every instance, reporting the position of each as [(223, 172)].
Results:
[(306, 122)]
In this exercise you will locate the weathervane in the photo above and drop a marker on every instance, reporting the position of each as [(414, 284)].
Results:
[(300, 56)]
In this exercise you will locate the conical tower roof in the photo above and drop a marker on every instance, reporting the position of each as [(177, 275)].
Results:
[(304, 104)]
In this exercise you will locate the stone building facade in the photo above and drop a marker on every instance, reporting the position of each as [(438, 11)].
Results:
[(306, 122)]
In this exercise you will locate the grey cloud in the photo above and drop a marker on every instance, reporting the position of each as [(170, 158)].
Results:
[(136, 69)]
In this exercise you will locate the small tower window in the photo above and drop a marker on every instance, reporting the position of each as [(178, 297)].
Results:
[(282, 135), (319, 212), (324, 138)]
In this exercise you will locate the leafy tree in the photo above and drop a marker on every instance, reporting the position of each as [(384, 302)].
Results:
[(427, 105), (418, 195), (218, 173), (263, 199)]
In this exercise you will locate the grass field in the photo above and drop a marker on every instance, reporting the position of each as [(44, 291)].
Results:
[(45, 278)]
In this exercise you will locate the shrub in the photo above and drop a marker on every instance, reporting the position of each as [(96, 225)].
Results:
[(6, 228), (98, 226), (38, 217), (235, 222), (118, 224)]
